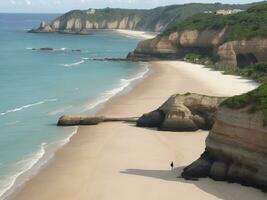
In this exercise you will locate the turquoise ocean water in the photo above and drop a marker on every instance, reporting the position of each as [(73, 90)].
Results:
[(36, 87)]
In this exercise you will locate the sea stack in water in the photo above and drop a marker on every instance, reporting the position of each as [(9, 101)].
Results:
[(188, 112), (43, 28), (236, 148)]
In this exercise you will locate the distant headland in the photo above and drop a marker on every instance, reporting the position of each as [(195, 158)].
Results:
[(152, 20)]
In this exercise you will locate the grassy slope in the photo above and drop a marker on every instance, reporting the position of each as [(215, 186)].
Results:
[(243, 25), (257, 98)]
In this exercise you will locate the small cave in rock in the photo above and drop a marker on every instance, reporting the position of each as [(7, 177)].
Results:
[(243, 60)]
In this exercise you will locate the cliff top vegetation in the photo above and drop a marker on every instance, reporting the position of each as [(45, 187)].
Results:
[(167, 16), (242, 25), (256, 98)]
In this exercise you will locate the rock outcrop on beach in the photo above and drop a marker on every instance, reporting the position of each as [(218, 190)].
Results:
[(188, 112), (221, 38), (153, 20), (75, 120), (78, 120), (236, 147)]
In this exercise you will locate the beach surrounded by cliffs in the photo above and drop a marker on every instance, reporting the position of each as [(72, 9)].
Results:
[(111, 103), (117, 160)]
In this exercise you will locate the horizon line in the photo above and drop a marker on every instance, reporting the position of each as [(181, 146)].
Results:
[(62, 12)]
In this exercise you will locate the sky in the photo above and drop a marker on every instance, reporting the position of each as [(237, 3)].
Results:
[(61, 6)]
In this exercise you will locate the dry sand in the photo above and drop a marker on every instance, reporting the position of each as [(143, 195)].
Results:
[(114, 161), (137, 34)]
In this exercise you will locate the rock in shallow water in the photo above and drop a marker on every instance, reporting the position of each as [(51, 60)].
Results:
[(43, 28)]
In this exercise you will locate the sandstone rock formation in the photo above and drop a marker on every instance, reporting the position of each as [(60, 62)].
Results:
[(188, 112), (68, 120), (43, 28), (78, 120), (242, 53), (72, 24), (208, 42), (236, 148), (73, 27), (178, 44), (155, 49)]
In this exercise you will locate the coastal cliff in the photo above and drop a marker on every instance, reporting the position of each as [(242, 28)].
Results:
[(153, 20), (43, 28), (177, 44), (236, 147), (224, 39)]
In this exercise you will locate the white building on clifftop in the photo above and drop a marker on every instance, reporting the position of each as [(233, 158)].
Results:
[(227, 12), (91, 11)]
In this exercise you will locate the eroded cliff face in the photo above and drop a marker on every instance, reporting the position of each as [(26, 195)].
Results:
[(155, 49), (211, 43), (236, 149), (202, 39), (188, 112), (75, 24), (242, 53), (178, 44), (43, 28)]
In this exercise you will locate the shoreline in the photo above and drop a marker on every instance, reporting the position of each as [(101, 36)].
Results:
[(137, 34), (48, 150), (144, 97)]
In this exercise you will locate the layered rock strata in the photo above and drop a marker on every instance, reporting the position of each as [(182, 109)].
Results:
[(43, 28), (178, 44), (188, 112), (236, 149), (210, 43), (77, 120), (46, 28)]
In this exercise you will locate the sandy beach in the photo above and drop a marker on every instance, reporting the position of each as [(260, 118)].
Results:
[(137, 34), (115, 161)]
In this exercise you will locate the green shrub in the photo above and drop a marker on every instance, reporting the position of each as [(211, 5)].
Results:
[(256, 98), (199, 59), (243, 25), (256, 72)]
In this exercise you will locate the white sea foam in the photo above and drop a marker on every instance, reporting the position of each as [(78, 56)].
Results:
[(27, 106), (85, 58), (29, 166), (73, 64), (61, 143), (21, 167), (124, 83)]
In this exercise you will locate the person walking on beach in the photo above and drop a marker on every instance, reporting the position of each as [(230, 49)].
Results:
[(171, 165)]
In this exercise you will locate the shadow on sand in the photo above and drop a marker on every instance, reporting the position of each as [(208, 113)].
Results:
[(222, 190)]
